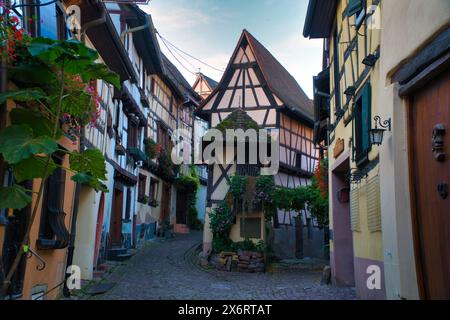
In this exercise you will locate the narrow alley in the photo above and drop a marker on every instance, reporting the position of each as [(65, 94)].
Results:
[(168, 270)]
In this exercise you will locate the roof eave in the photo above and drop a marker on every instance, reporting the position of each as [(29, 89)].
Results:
[(319, 19)]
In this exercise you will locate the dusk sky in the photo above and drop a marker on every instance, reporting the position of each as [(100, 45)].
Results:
[(210, 29)]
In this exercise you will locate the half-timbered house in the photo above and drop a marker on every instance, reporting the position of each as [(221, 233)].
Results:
[(257, 84), (204, 85)]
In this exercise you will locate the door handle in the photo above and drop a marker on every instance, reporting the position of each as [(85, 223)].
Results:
[(437, 142)]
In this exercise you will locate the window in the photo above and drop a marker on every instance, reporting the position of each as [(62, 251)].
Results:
[(153, 189), (362, 124), (164, 138), (298, 160), (250, 228), (52, 231), (171, 105), (141, 188), (52, 22), (336, 73), (132, 135)]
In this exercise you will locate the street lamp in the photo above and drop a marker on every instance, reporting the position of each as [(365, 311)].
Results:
[(376, 135)]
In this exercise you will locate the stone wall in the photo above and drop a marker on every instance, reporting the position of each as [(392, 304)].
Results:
[(242, 261)]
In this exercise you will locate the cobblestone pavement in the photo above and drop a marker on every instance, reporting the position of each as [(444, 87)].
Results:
[(168, 270)]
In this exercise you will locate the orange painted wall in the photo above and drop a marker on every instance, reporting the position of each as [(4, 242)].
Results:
[(55, 260)]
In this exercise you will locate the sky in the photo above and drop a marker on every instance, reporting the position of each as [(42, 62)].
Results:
[(210, 29)]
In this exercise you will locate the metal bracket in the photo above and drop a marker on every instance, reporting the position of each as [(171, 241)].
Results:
[(31, 253)]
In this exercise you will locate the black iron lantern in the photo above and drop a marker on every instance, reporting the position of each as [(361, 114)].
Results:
[(376, 135)]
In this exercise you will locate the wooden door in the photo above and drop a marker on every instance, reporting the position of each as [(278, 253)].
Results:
[(98, 227), (115, 229), (430, 106), (182, 208), (165, 201)]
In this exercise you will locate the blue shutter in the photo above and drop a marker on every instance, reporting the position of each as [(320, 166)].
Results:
[(366, 116), (354, 6)]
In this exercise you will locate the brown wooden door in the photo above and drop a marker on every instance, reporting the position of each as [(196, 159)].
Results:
[(115, 229), (430, 107), (182, 208), (165, 201), (98, 227)]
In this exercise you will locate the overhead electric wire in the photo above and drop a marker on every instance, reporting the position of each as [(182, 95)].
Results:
[(180, 55), (187, 54), (187, 69)]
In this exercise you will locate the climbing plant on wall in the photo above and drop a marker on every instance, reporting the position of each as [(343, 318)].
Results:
[(188, 184)]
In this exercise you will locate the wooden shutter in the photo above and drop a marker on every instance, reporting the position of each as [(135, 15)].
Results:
[(354, 210), (365, 116), (373, 204), (354, 6)]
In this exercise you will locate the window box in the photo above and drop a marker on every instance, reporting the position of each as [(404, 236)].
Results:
[(153, 203), (137, 154), (143, 199)]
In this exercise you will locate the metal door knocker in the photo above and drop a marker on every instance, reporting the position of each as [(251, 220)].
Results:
[(438, 142)]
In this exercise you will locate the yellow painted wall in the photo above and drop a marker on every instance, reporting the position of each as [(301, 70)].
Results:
[(366, 244)]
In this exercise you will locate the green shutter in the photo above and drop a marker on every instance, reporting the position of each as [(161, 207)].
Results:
[(354, 6), (366, 116)]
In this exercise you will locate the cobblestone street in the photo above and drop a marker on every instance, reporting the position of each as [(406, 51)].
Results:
[(168, 270)]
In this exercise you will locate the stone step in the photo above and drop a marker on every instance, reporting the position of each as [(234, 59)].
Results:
[(123, 257), (181, 228), (114, 252)]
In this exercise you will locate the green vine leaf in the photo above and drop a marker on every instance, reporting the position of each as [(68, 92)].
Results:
[(101, 71), (92, 162), (33, 73), (32, 168), (17, 143), (23, 95), (73, 54), (84, 178), (14, 197), (40, 125)]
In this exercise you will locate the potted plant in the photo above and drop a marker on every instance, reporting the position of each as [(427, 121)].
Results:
[(144, 199), (153, 203)]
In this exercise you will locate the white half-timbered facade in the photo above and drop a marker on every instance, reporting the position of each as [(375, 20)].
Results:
[(256, 83)]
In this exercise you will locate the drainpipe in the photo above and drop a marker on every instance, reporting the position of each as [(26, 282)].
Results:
[(73, 227), (91, 24), (132, 30)]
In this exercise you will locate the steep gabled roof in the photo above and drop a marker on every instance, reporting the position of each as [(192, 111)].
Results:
[(177, 79), (212, 84), (280, 81)]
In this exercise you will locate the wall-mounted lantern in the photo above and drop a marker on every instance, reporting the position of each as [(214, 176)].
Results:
[(376, 135), (371, 59)]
